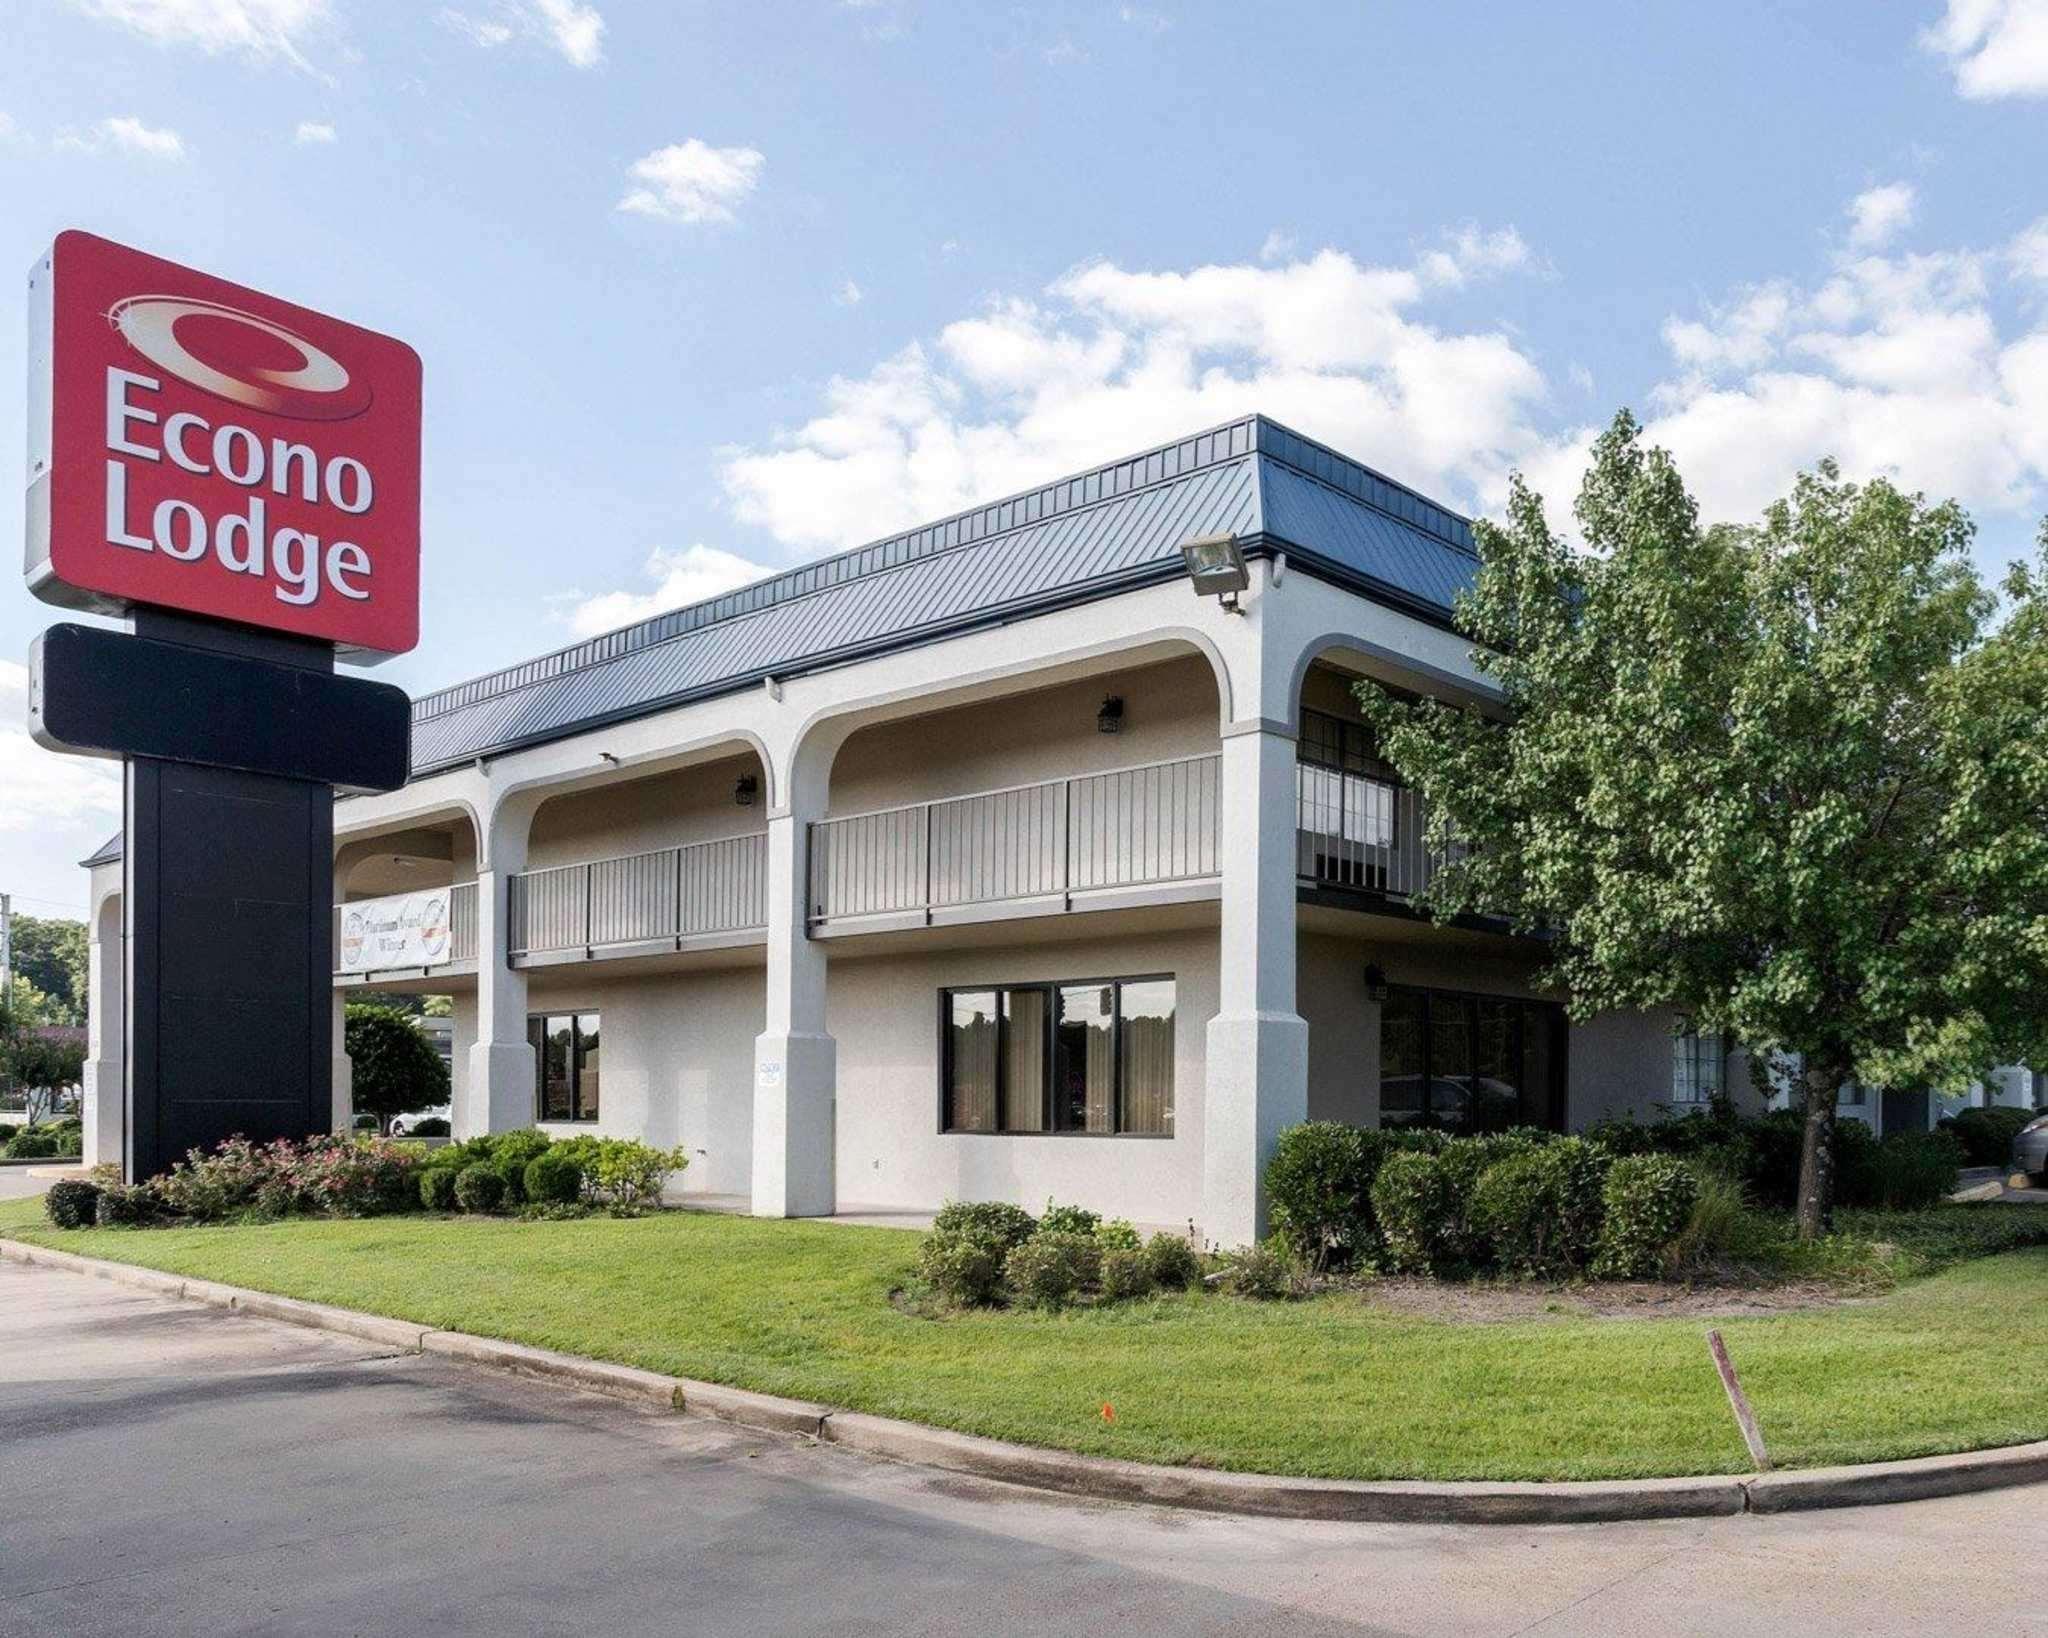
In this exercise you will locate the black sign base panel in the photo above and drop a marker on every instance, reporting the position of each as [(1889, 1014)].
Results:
[(228, 882)]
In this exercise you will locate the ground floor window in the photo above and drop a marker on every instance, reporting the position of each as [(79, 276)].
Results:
[(565, 1053), (1696, 1068), (1470, 1063), (1090, 1056)]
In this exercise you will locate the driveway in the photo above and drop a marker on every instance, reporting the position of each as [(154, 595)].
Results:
[(171, 1469)]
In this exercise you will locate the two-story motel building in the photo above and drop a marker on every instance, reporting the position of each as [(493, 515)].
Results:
[(990, 860)]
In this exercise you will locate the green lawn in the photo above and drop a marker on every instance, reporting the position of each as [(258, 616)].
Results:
[(1326, 1387)]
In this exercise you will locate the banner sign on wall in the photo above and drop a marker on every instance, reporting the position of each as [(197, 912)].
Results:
[(401, 930), (200, 446)]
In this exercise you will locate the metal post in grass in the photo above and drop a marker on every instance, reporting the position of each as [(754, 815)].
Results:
[(1745, 1418)]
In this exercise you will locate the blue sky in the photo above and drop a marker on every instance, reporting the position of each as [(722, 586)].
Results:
[(705, 288)]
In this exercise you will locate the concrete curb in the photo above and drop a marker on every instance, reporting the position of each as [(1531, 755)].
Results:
[(1106, 1479)]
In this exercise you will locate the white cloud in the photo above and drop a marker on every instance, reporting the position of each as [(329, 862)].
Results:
[(1276, 247), (313, 131), (577, 31), (129, 135), (259, 29), (849, 294), (45, 789), (1063, 53), (693, 182), (1877, 215), (481, 31), (1108, 359), (1996, 48), (1895, 364), (681, 577), (1471, 253)]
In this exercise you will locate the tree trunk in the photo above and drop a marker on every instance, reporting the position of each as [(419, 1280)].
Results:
[(1817, 1154)]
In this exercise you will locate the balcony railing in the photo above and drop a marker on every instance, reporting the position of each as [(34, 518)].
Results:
[(673, 893), (1135, 827), (1352, 830), (431, 927)]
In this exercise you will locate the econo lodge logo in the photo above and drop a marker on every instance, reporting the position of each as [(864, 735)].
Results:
[(216, 450)]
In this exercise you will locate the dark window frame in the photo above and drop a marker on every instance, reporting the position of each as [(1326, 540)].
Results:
[(1050, 988), (537, 1038), (1559, 1113)]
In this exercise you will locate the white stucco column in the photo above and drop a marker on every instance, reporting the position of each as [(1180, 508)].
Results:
[(1257, 1043), (103, 1085), (343, 1072), (497, 1093), (795, 1058)]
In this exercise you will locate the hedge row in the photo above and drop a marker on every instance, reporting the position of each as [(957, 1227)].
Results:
[(981, 1253)]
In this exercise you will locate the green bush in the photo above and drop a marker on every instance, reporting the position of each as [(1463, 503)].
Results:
[(1987, 1134), (70, 1143), (1175, 1264), (1068, 1220), (72, 1203), (1052, 1267), (1118, 1235), (1904, 1171), (437, 1188), (1648, 1199), (128, 1205), (7, 1131), (994, 1221), (1721, 1225), (432, 1126), (625, 1174), (32, 1143), (1460, 1163), (511, 1153), (1513, 1211), (1265, 1272), (479, 1188), (1319, 1186), (964, 1269), (1408, 1201), (1126, 1273), (552, 1178)]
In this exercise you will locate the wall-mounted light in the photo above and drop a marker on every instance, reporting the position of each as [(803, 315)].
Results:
[(1216, 568), (1375, 984), (746, 790), (1110, 719)]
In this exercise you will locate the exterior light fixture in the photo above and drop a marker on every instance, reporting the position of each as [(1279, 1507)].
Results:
[(1110, 719), (1375, 984), (1216, 567), (746, 790)]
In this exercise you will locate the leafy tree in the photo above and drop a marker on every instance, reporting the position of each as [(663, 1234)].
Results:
[(37, 1061), (51, 955), (1791, 778), (395, 1068)]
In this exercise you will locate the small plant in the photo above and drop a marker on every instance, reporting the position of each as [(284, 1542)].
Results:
[(432, 1126), (1174, 1262), (964, 1270), (128, 1205), (32, 1143), (553, 1178), (72, 1203), (1052, 1268), (1265, 1272), (1126, 1273), (1720, 1225), (1409, 1200), (437, 1188), (1068, 1220), (994, 1221), (1649, 1199), (1514, 1211), (479, 1188), (1903, 1171), (510, 1152), (1118, 1235)]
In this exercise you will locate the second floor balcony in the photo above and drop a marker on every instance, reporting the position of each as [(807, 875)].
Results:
[(701, 896)]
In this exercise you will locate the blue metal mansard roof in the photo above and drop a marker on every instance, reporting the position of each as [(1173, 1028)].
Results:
[(1086, 537)]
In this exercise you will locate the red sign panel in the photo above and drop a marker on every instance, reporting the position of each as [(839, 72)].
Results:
[(201, 446)]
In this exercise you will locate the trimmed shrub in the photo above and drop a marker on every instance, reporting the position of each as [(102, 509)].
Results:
[(127, 1205), (1118, 1235), (627, 1175), (32, 1143), (1649, 1199), (1578, 1179), (1126, 1273), (1175, 1264), (432, 1126), (72, 1203), (437, 1188), (1068, 1220), (70, 1143), (964, 1269), (1904, 1171), (7, 1131), (1408, 1200), (1513, 1209), (1052, 1267), (510, 1153), (1461, 1163), (479, 1188), (1319, 1183), (208, 1187), (995, 1221), (1987, 1134), (1264, 1273), (553, 1178)]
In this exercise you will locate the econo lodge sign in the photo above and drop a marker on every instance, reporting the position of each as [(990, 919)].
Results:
[(201, 446)]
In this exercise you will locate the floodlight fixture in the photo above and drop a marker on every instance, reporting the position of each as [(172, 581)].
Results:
[(1216, 568)]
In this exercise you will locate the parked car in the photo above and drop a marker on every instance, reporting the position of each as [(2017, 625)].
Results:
[(405, 1125), (2030, 1148)]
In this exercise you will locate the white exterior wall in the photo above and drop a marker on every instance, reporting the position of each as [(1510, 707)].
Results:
[(889, 1150)]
